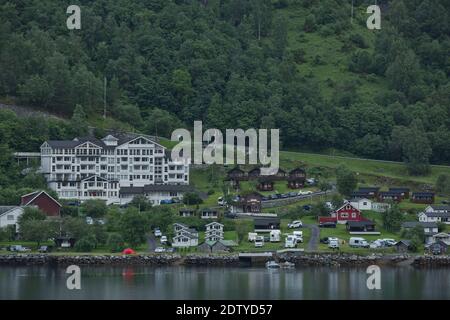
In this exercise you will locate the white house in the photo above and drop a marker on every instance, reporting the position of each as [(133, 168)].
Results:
[(9, 215), (430, 229), (429, 215), (209, 214), (214, 231), (90, 168), (362, 204), (380, 206), (184, 236), (444, 237)]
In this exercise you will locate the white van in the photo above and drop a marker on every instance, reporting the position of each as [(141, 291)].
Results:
[(252, 236), (275, 236), (298, 235), (333, 243), (356, 242), (290, 242), (259, 241)]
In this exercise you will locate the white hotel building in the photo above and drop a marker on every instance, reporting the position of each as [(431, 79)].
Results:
[(114, 169)]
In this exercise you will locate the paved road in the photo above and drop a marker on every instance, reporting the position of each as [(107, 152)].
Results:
[(314, 239)]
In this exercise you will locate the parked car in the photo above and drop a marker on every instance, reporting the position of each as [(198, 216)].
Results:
[(230, 215), (160, 250), (44, 249), (376, 244), (278, 195), (170, 250), (163, 239), (293, 194), (89, 220), (357, 242), (307, 207), (158, 232), (176, 200), (333, 243), (325, 240), (305, 193), (389, 242), (19, 248), (327, 225), (259, 242), (298, 235), (264, 198), (252, 236), (284, 195), (295, 224), (166, 201), (311, 181), (445, 201), (273, 196)]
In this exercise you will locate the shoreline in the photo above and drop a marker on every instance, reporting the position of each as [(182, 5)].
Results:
[(232, 260)]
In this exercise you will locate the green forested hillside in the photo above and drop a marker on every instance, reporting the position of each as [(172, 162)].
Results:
[(297, 65)]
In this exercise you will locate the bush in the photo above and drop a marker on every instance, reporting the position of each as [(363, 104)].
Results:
[(86, 244), (115, 242), (192, 198)]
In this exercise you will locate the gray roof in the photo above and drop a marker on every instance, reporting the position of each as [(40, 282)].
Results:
[(120, 136), (405, 242), (437, 214), (440, 207), (4, 209), (413, 224)]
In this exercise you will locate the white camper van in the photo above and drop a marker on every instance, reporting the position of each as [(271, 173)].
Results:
[(259, 241), (298, 235), (290, 242), (275, 236), (252, 236), (356, 242)]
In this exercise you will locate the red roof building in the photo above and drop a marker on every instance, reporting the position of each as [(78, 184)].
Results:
[(43, 201), (345, 213)]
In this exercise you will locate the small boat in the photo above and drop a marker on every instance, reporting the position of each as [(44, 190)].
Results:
[(287, 265), (272, 265)]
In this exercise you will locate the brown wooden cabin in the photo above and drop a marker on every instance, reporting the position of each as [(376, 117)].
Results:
[(265, 184), (404, 192), (251, 202), (280, 175), (422, 197), (235, 175), (297, 178), (370, 192), (385, 196), (253, 174)]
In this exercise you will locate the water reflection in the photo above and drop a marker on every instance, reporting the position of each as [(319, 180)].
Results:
[(222, 283)]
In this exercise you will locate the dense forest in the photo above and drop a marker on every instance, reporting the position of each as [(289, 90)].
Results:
[(299, 65)]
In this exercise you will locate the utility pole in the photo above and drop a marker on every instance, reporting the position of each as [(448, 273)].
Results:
[(351, 18), (104, 98)]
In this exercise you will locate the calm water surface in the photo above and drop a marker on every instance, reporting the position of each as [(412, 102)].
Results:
[(222, 283)]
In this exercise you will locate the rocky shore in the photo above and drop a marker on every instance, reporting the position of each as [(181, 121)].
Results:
[(302, 260)]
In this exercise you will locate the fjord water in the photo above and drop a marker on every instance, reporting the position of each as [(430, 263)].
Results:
[(223, 283)]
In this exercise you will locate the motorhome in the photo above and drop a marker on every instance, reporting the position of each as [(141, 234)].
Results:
[(298, 235), (356, 242), (252, 236), (333, 243), (275, 236), (290, 242), (259, 241)]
